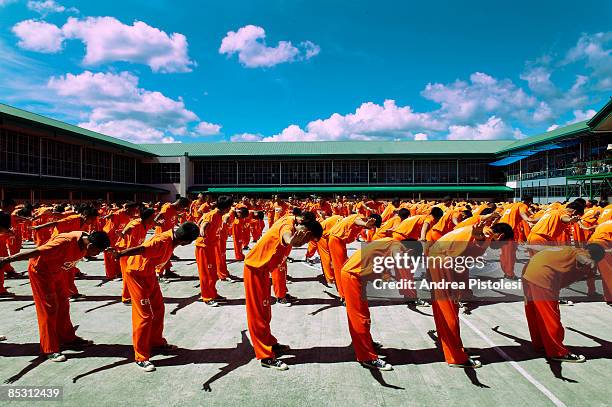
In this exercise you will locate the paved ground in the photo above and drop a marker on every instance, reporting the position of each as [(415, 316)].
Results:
[(215, 367)]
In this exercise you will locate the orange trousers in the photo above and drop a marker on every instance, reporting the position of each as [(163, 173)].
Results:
[(14, 243), (279, 280), (446, 318), (544, 320), (358, 314), (259, 311), (237, 237), (206, 259), (222, 271), (69, 281), (7, 268), (407, 274), (125, 293), (507, 258), (337, 251), (312, 249), (147, 313), (257, 226), (111, 266), (52, 310), (605, 269), (326, 261)]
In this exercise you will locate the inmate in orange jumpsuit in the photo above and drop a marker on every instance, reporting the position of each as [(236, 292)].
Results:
[(457, 243), (207, 254), (322, 246), (546, 273), (603, 236), (267, 254), (169, 216), (115, 223), (134, 234), (512, 216), (343, 233), (4, 252), (147, 300), (354, 273), (69, 224), (56, 257)]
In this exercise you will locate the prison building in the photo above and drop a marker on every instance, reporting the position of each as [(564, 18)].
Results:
[(43, 159)]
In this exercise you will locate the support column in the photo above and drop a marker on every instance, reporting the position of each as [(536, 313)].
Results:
[(185, 175)]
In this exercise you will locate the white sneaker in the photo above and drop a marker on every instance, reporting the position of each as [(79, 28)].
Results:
[(56, 357), (146, 366)]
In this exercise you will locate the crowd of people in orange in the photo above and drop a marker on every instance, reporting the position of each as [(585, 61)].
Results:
[(567, 242)]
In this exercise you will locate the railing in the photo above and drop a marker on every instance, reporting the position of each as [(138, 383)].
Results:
[(595, 167)]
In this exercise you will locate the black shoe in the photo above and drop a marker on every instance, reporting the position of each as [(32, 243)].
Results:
[(377, 345), (470, 363), (377, 364), (570, 357), (279, 348), (126, 302), (80, 274), (274, 364), (343, 302), (283, 301), (220, 298)]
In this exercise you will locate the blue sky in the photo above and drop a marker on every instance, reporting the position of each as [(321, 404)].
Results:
[(162, 71)]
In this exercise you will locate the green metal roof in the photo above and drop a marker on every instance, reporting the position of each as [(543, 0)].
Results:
[(601, 118), (74, 130), (358, 188), (312, 148), (557, 133)]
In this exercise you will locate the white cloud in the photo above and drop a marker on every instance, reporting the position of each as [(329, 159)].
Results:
[(118, 107), (483, 96), (581, 115), (247, 137), (45, 7), (421, 137), (493, 128), (553, 127), (595, 50), (108, 40), (39, 36), (207, 129), (253, 52)]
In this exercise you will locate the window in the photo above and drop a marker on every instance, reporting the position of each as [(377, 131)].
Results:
[(259, 172), (123, 168), (435, 171), (214, 172), (391, 172), (159, 173), (306, 172), (350, 172), (60, 159), (96, 164), (19, 152)]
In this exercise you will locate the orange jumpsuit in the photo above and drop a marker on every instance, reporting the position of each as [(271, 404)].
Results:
[(457, 243), (57, 257), (603, 235), (546, 273), (134, 235), (147, 300), (550, 229), (169, 215), (207, 254), (7, 268), (354, 273), (322, 247), (69, 224), (512, 216), (343, 233), (267, 254), (114, 224)]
